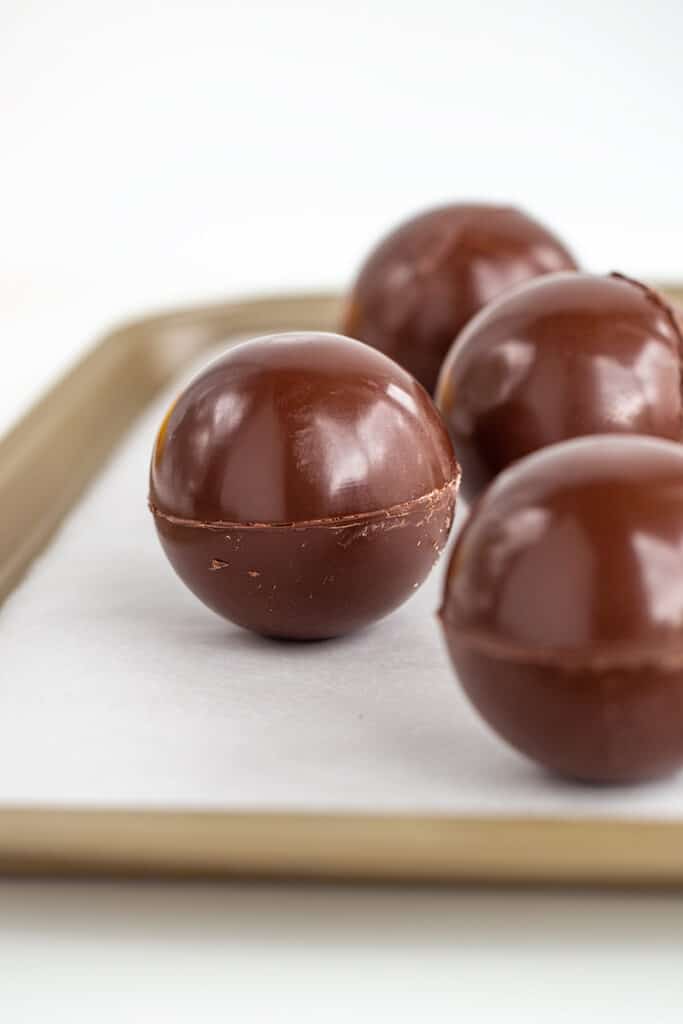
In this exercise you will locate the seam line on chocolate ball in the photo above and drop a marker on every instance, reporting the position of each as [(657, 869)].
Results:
[(565, 660), (660, 302), (654, 297), (332, 523)]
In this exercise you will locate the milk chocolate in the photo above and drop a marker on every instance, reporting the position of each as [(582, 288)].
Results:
[(424, 281), (563, 607), (303, 485), (561, 357)]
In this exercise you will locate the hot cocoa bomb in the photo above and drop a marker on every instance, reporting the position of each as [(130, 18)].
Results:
[(424, 281), (564, 356), (303, 485), (563, 607)]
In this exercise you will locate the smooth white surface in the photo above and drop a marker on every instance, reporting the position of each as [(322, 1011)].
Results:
[(151, 154), (153, 954), (157, 153), (120, 688)]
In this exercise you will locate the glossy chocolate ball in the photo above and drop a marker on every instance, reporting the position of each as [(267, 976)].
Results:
[(303, 485), (564, 356), (563, 607), (426, 279)]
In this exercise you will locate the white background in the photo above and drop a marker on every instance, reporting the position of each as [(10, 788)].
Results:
[(153, 153), (157, 153)]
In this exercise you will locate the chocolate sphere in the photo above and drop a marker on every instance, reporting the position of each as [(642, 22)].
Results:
[(567, 355), (563, 607), (426, 279), (303, 485)]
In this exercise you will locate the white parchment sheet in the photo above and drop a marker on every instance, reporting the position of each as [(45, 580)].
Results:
[(118, 688)]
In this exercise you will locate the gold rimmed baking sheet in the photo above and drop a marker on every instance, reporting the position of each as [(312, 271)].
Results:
[(45, 463)]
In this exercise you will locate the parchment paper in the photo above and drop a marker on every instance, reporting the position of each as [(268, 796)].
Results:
[(118, 688)]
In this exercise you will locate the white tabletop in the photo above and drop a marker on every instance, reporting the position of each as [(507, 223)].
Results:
[(76, 953), (154, 155)]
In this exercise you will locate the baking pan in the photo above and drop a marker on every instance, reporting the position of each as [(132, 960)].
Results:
[(46, 461)]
